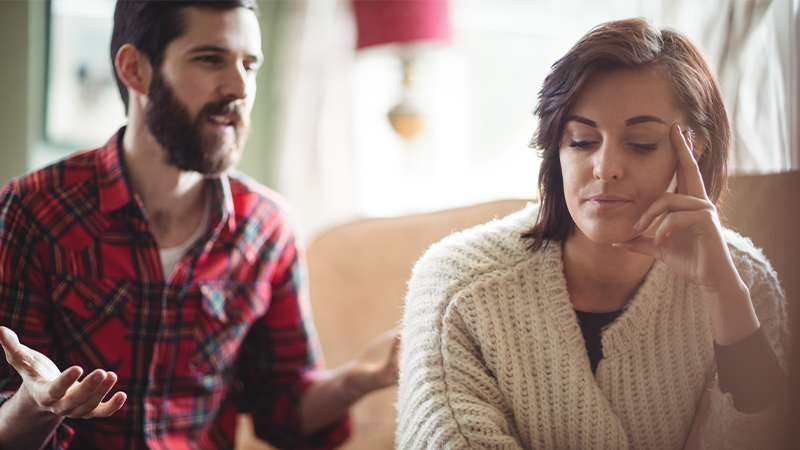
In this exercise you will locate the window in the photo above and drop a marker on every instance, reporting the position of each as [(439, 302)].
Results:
[(83, 106)]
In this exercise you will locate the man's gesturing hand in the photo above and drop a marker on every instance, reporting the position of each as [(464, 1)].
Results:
[(56, 392)]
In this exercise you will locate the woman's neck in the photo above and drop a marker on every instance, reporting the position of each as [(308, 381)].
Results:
[(601, 278)]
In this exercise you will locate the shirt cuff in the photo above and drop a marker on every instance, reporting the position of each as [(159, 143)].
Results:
[(750, 371)]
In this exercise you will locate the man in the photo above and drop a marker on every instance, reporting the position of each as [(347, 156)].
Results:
[(176, 286)]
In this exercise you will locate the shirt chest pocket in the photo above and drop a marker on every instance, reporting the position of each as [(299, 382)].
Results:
[(227, 312), (90, 321)]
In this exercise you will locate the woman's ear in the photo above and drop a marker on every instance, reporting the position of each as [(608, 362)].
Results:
[(133, 68), (698, 147)]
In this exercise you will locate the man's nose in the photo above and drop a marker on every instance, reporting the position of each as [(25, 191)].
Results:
[(237, 83), (609, 162)]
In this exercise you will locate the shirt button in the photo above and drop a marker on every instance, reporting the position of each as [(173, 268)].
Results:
[(88, 305)]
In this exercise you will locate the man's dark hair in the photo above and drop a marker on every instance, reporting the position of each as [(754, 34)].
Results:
[(626, 44), (150, 25)]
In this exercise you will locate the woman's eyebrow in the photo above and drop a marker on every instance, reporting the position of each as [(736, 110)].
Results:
[(582, 120), (643, 119)]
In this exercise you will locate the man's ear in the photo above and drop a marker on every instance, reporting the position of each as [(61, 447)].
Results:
[(133, 68)]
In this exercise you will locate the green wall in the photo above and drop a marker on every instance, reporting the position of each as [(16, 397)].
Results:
[(259, 158), (14, 109)]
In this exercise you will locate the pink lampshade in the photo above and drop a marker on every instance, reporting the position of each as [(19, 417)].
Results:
[(399, 21)]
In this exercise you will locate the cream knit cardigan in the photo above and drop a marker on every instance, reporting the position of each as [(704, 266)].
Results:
[(493, 355)]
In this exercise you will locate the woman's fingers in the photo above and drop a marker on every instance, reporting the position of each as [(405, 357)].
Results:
[(676, 221), (669, 203), (690, 180), (697, 221), (641, 244)]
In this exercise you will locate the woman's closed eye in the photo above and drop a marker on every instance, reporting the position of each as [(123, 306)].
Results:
[(581, 144), (644, 147)]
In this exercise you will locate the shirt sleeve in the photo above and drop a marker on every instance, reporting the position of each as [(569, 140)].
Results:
[(281, 357), (728, 426), (24, 298), (750, 371)]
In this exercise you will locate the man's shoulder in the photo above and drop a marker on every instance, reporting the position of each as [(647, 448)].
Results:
[(257, 202), (74, 169), (244, 188)]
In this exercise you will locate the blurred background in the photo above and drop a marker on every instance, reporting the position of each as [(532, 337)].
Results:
[(365, 111)]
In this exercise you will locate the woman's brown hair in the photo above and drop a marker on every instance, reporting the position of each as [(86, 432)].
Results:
[(625, 44)]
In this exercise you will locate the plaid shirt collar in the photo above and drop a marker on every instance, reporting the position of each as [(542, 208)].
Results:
[(115, 191)]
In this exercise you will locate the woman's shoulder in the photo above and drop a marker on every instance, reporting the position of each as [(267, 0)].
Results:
[(749, 260), (467, 255)]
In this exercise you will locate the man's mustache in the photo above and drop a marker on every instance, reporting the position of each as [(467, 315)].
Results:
[(224, 108)]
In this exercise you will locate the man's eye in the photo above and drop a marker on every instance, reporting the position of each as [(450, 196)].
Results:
[(212, 59)]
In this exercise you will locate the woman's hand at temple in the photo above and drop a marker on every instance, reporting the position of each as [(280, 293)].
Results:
[(688, 238)]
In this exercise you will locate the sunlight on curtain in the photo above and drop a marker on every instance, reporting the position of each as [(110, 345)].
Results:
[(753, 44)]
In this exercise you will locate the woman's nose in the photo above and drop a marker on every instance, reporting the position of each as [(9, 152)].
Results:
[(608, 163)]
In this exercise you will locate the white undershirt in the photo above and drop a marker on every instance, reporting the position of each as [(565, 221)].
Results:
[(171, 256)]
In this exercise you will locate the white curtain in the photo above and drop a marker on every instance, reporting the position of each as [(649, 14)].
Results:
[(315, 162), (753, 43)]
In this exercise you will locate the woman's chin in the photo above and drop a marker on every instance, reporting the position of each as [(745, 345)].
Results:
[(607, 235)]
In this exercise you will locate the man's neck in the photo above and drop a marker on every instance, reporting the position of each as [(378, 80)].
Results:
[(174, 199)]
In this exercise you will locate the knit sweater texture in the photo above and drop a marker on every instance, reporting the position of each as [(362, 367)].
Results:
[(493, 355)]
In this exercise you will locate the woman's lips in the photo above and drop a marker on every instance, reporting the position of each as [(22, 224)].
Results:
[(608, 201)]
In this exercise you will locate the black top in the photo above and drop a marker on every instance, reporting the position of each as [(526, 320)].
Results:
[(748, 369), (592, 325)]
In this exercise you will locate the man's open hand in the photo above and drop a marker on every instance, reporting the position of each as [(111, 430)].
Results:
[(377, 365), (56, 392)]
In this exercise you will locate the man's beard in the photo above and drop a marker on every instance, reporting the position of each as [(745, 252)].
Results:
[(187, 148)]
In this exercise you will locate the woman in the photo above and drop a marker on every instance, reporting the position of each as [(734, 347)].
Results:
[(617, 313)]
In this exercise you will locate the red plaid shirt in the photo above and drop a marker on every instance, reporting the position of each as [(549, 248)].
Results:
[(230, 330)]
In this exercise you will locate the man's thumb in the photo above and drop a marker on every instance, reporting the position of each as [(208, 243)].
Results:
[(10, 343)]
